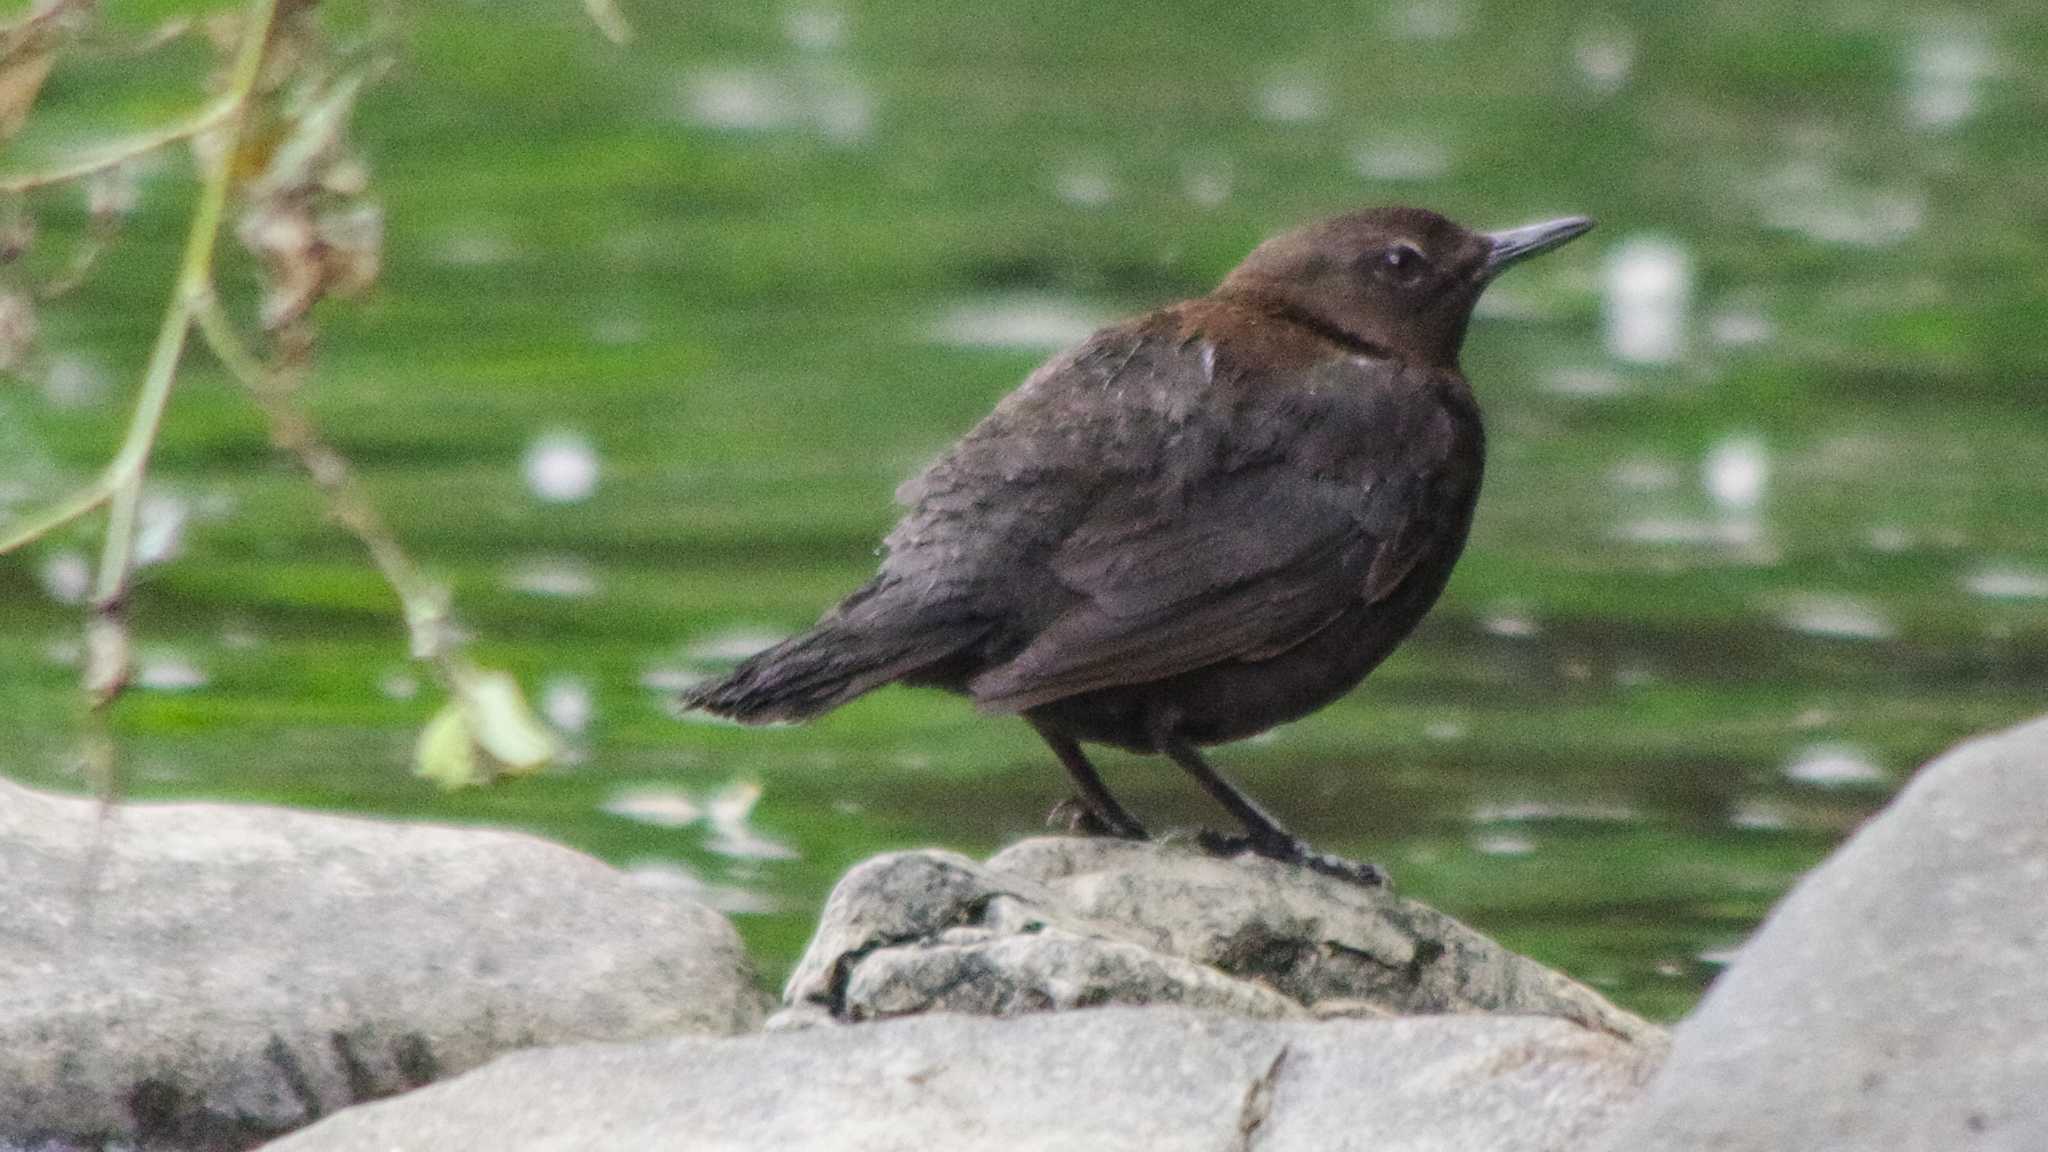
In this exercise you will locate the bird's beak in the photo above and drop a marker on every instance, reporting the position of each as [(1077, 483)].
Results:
[(1518, 244)]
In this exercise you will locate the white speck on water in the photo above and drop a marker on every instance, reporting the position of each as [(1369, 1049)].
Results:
[(472, 245), (1084, 184), (74, 382), (1739, 326), (1446, 731), (566, 702), (1838, 617), (66, 576), (1805, 196), (160, 527), (1292, 99), (619, 328), (734, 645), (1759, 816), (561, 467), (814, 27), (1644, 474), (843, 112), (1647, 300), (2007, 582), (1028, 322), (1604, 58), (239, 635), (1721, 957), (399, 685), (168, 672), (739, 100), (1401, 161), (1505, 844), (560, 577), (64, 651), (732, 831), (1586, 382), (1538, 811), (659, 805), (1207, 183), (1946, 65), (1888, 538), (1425, 20), (1834, 765), (671, 876), (1735, 471), (1738, 532), (1512, 623)]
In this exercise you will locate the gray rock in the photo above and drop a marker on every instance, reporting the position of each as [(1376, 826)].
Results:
[(208, 976), (1898, 998), (1108, 1080), (1069, 922)]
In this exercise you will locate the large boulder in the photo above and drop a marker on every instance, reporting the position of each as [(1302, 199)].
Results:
[(1898, 998), (1109, 1080), (1065, 922), (201, 976)]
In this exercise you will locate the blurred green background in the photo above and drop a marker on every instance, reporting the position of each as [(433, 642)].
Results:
[(663, 325)]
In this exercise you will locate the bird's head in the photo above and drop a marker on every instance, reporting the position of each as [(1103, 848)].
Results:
[(1404, 279)]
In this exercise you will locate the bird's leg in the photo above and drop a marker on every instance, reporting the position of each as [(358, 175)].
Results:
[(1100, 814), (1264, 836)]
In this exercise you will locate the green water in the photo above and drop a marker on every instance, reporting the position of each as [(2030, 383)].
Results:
[(1719, 601)]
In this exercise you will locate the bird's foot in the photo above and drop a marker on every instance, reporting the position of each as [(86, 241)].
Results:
[(1292, 850), (1073, 815)]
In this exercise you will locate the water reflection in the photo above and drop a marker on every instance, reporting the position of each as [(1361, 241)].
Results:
[(561, 467), (168, 671), (66, 576), (1946, 65), (1603, 57), (1834, 765), (1402, 160), (558, 576), (1025, 322), (1291, 99), (1648, 294), (2007, 582)]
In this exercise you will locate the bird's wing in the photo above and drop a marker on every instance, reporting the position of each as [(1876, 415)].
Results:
[(1323, 495)]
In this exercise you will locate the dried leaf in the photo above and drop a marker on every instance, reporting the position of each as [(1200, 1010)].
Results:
[(21, 78), (17, 328)]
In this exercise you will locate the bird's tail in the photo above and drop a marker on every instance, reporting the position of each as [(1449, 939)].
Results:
[(858, 647)]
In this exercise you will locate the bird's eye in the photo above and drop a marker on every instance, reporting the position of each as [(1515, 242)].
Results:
[(1402, 263)]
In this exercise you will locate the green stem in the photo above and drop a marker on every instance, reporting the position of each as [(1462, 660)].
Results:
[(195, 279)]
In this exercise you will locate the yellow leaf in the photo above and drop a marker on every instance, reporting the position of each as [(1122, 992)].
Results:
[(503, 725), (446, 753)]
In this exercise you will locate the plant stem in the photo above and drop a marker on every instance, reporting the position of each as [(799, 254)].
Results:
[(107, 660), (424, 602), (120, 153)]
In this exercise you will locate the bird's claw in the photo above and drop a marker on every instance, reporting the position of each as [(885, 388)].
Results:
[(1072, 815), (1295, 851)]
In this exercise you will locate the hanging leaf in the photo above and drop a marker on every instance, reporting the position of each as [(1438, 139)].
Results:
[(446, 753), (21, 77), (504, 725), (486, 731)]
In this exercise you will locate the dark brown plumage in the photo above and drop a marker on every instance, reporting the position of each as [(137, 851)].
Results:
[(1195, 525)]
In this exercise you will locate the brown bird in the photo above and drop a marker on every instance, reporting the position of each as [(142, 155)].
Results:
[(1193, 526)]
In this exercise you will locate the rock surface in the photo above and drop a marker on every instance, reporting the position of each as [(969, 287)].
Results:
[(1898, 998), (208, 976), (1060, 923), (1115, 1079)]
